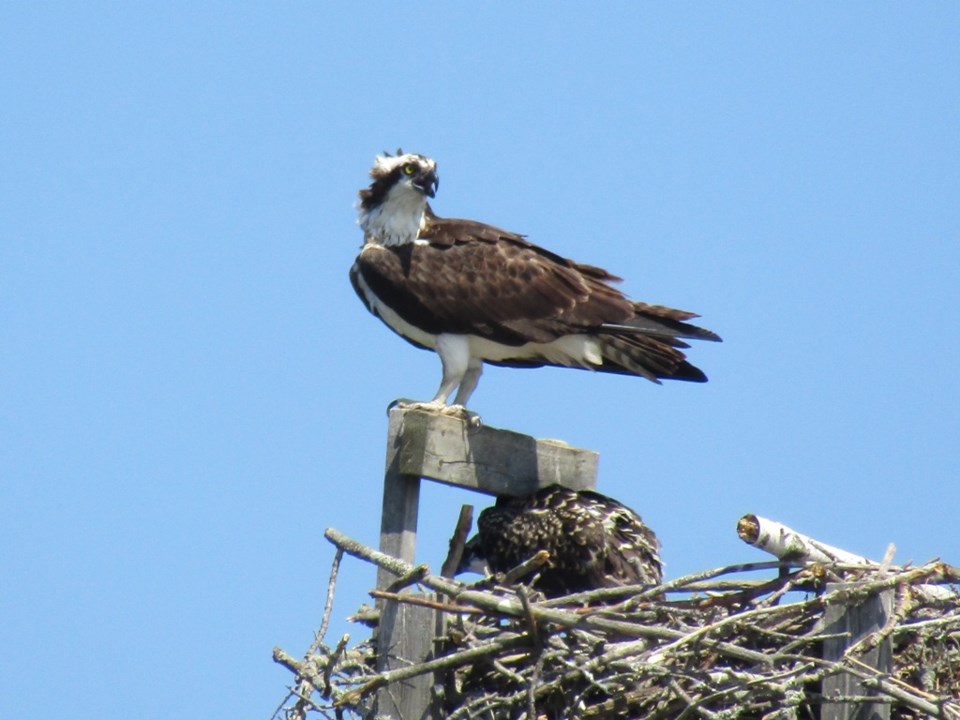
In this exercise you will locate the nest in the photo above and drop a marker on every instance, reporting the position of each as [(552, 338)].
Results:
[(764, 640)]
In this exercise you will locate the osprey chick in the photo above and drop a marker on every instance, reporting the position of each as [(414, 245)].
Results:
[(474, 293), (593, 541)]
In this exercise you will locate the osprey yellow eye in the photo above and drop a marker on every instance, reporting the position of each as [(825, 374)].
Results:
[(409, 169)]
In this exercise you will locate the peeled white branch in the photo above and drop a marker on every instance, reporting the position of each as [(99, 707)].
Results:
[(791, 546)]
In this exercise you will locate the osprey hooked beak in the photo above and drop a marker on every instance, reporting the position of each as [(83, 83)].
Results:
[(427, 182)]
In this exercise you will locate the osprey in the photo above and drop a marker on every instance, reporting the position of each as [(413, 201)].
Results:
[(474, 293), (593, 541)]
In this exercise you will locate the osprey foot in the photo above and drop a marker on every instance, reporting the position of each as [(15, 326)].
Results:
[(473, 421)]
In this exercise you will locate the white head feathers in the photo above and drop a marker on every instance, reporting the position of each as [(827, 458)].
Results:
[(385, 164)]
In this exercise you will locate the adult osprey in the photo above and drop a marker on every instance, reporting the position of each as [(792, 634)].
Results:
[(593, 541), (474, 293)]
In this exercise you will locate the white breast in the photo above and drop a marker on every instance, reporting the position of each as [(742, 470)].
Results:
[(392, 319)]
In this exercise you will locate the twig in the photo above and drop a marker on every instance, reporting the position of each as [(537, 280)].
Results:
[(305, 689), (526, 567), (603, 595), (334, 659), (445, 663), (532, 689), (424, 602), (412, 576), (692, 705), (457, 541), (528, 613), (328, 605)]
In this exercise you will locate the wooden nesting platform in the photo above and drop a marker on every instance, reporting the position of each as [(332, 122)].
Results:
[(454, 451)]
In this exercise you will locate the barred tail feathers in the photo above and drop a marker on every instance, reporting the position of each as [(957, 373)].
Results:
[(649, 357)]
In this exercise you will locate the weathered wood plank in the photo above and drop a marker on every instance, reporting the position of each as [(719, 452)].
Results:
[(487, 459), (855, 622)]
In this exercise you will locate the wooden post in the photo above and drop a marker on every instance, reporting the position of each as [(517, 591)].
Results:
[(438, 447), (853, 623)]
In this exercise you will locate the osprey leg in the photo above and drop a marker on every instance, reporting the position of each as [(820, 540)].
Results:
[(469, 382), (454, 352)]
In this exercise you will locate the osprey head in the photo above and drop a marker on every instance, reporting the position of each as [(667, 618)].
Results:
[(392, 209), (398, 176)]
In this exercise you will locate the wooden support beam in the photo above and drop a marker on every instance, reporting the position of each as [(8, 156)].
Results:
[(850, 624), (446, 449), (405, 636), (405, 632), (398, 517)]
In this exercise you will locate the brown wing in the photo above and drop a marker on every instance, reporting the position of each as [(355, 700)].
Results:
[(474, 278)]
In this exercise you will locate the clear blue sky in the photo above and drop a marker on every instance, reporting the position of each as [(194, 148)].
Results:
[(190, 391)]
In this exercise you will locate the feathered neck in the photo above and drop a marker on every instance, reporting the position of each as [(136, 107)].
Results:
[(397, 220)]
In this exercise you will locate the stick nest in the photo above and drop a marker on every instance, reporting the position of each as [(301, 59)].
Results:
[(717, 645)]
